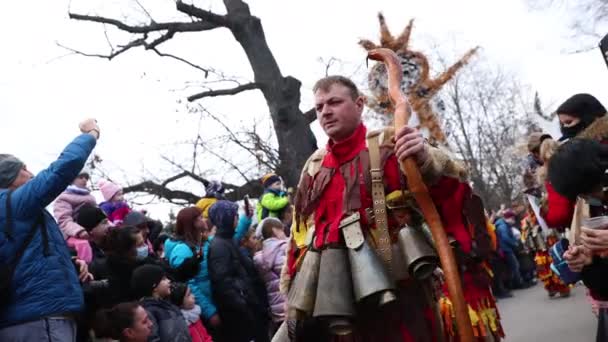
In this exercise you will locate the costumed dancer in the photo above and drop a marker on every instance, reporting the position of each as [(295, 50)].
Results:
[(461, 210), (342, 239), (541, 147)]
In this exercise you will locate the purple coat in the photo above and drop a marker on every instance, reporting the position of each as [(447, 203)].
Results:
[(269, 262), (67, 205)]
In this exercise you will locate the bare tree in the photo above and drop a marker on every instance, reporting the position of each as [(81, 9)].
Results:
[(587, 19), (487, 114), (282, 93)]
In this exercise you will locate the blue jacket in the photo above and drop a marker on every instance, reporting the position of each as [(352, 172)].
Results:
[(506, 239), (42, 285), (176, 252)]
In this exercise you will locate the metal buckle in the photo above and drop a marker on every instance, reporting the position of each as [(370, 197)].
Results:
[(352, 232)]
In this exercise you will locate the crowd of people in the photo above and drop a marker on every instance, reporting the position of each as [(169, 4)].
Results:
[(293, 267), (106, 271)]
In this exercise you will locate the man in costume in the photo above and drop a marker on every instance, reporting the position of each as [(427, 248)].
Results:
[(343, 243), (540, 147)]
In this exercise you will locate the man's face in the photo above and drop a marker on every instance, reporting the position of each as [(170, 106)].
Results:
[(142, 326), (337, 112), (23, 177)]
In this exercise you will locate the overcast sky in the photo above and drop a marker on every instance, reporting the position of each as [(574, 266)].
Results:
[(138, 98)]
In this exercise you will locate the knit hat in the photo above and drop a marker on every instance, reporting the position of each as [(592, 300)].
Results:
[(222, 215), (108, 189), (135, 218), (270, 179), (9, 169), (145, 279), (84, 174), (535, 140), (178, 292), (88, 217), (214, 189)]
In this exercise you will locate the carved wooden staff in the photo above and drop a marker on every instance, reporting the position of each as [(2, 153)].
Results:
[(417, 187)]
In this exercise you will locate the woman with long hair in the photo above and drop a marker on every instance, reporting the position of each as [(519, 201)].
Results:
[(191, 244)]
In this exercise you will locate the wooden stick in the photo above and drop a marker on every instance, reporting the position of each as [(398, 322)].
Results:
[(417, 187)]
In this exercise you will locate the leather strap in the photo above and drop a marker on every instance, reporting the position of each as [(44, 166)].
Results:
[(380, 234)]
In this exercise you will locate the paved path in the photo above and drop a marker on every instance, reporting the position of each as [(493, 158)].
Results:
[(532, 316)]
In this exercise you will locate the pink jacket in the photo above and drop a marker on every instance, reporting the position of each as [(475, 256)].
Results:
[(65, 207)]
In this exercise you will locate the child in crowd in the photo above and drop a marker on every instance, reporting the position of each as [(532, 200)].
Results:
[(96, 225), (269, 262), (114, 205), (182, 297), (150, 283), (250, 244), (274, 200), (66, 207), (125, 322), (214, 191)]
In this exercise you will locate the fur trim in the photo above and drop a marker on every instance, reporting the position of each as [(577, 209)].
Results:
[(440, 164), (598, 130)]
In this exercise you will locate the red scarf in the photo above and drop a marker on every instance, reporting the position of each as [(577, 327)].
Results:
[(330, 208)]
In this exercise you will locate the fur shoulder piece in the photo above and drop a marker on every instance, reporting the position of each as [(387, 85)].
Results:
[(598, 130), (385, 136), (313, 164), (440, 163)]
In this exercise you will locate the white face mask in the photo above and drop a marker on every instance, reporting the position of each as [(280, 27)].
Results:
[(142, 252)]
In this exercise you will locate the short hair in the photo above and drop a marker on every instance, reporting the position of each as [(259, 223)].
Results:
[(578, 167), (326, 82), (268, 225)]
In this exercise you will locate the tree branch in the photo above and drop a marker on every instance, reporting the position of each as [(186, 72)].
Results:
[(224, 92), (208, 16), (161, 191), (114, 53), (195, 26), (311, 115)]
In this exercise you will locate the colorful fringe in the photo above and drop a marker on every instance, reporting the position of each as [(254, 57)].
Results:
[(483, 312), (551, 281)]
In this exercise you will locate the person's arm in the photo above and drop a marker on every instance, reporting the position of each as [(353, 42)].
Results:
[(273, 202), (242, 228), (63, 211), (41, 190)]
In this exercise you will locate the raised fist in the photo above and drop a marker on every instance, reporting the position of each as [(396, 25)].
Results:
[(90, 126)]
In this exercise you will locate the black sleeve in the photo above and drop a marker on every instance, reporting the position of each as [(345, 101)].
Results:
[(594, 276)]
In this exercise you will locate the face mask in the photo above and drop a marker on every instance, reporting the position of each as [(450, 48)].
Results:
[(142, 252), (572, 131)]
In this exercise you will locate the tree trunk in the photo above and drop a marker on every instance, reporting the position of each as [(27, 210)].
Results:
[(295, 138)]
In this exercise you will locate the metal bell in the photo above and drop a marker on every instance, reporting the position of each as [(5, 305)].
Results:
[(335, 302), (420, 257), (303, 292), (370, 277)]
